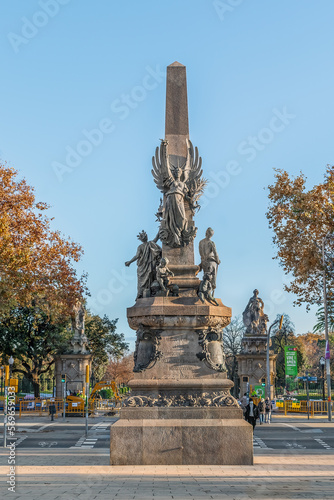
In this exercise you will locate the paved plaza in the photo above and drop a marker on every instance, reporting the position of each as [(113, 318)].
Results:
[(280, 477), (293, 459)]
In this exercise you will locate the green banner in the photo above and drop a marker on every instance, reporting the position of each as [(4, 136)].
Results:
[(291, 367), (260, 391)]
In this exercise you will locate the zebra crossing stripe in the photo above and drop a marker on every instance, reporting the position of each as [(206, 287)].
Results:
[(325, 445), (19, 441), (258, 443), (84, 442)]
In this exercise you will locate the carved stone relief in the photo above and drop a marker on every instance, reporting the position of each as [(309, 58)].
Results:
[(146, 352), (215, 399), (212, 349)]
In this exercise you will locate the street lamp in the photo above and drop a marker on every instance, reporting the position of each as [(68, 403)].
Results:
[(280, 321), (2, 368), (329, 235), (322, 362), (327, 355), (10, 362)]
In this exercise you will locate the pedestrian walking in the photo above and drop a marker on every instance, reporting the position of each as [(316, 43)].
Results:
[(251, 413), (243, 402), (269, 407), (262, 409), (52, 411)]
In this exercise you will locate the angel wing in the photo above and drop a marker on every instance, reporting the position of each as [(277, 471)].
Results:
[(192, 170), (192, 176), (161, 168)]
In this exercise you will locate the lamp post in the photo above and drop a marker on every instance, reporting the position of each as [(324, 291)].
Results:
[(2, 368), (280, 321), (322, 362), (327, 355), (10, 362)]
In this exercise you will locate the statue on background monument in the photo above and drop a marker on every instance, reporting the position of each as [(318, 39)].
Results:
[(253, 316), (79, 341), (147, 257), (209, 257), (78, 320), (178, 183)]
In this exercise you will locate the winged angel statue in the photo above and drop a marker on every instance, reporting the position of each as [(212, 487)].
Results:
[(177, 183)]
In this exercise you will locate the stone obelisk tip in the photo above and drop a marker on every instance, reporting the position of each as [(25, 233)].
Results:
[(177, 126)]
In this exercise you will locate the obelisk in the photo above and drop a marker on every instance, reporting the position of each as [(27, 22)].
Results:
[(176, 124), (181, 259), (180, 410)]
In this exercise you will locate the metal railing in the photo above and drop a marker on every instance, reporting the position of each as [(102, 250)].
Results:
[(39, 406), (314, 407), (72, 408), (106, 404)]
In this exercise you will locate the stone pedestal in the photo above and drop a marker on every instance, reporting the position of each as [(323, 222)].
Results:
[(252, 364), (181, 441), (74, 366), (180, 410)]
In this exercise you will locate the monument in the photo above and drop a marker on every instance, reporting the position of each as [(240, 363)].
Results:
[(74, 361), (252, 360), (180, 410)]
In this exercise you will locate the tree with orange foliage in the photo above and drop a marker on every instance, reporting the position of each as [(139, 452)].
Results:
[(300, 219), (36, 263), (120, 369), (38, 281), (313, 345)]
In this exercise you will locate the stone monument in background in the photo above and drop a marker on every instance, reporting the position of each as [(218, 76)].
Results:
[(180, 410), (73, 363), (252, 362)]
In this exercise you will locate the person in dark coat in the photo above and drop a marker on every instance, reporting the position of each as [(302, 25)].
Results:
[(251, 413), (262, 410)]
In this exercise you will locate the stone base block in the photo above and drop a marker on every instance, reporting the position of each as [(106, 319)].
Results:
[(181, 442), (183, 413)]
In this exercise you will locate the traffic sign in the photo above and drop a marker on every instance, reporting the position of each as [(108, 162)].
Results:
[(310, 379)]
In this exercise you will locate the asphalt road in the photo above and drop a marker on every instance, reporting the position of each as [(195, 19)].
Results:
[(59, 434), (284, 436), (71, 435)]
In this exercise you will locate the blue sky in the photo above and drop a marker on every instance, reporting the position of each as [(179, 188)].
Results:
[(260, 93)]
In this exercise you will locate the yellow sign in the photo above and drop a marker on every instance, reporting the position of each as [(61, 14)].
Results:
[(295, 405), (14, 382)]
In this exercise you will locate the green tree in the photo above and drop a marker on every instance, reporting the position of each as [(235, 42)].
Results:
[(320, 315), (33, 339), (281, 338), (319, 327), (104, 342)]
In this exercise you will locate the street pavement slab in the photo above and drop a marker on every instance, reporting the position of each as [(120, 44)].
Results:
[(293, 459), (280, 477)]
